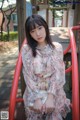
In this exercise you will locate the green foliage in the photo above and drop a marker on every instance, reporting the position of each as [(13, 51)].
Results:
[(12, 36), (58, 3)]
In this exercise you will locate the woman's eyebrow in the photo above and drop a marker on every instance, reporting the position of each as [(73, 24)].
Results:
[(38, 26)]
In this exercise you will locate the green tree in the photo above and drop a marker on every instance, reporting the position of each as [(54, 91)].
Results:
[(11, 8), (57, 4), (3, 19)]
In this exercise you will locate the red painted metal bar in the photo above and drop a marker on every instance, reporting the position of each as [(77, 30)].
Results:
[(75, 79), (19, 99), (15, 86), (68, 69), (76, 27), (67, 49)]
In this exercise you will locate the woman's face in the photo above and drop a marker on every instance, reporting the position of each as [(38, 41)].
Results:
[(39, 34)]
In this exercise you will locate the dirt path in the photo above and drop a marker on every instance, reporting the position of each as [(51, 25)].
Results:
[(8, 57), (7, 46)]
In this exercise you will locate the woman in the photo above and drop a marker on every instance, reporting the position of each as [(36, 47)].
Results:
[(44, 73)]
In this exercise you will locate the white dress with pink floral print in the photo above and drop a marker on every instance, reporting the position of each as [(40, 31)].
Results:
[(47, 69)]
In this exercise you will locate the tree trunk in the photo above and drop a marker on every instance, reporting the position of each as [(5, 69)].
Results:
[(21, 12), (47, 13)]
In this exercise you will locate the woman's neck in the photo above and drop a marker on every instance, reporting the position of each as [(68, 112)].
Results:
[(42, 44)]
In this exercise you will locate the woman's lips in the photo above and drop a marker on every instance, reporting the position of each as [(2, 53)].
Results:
[(39, 38)]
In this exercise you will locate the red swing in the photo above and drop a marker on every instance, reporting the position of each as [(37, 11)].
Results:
[(75, 79)]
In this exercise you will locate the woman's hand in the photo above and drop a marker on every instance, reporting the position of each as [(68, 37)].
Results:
[(37, 106), (48, 106)]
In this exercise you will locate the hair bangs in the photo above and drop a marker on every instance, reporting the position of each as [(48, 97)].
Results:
[(33, 24)]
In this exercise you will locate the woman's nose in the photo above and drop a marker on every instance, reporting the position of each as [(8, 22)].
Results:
[(37, 32)]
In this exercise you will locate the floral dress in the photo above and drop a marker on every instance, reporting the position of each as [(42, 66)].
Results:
[(47, 69)]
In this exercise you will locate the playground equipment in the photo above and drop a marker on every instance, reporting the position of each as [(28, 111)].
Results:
[(75, 79)]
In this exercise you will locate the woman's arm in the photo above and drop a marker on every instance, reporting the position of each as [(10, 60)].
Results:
[(33, 90), (57, 80), (28, 71)]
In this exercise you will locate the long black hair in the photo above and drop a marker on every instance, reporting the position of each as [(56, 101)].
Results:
[(30, 24)]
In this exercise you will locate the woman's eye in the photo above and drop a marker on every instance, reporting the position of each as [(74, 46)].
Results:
[(32, 31), (40, 27)]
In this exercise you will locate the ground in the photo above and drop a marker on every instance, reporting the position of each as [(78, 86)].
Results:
[(8, 57), (7, 46)]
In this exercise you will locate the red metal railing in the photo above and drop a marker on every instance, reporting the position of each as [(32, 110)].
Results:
[(75, 79), (14, 89), (75, 82)]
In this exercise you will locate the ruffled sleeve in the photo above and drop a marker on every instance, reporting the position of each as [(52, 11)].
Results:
[(28, 73), (57, 80)]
